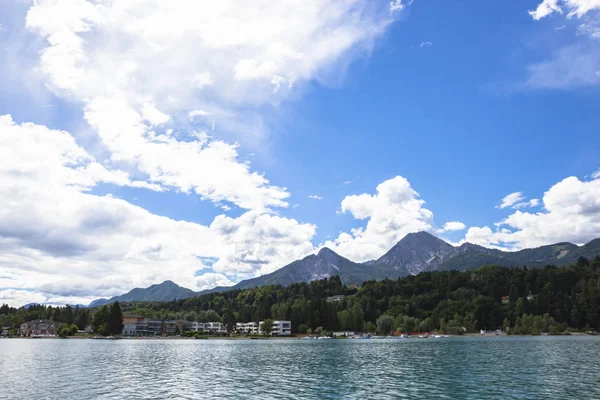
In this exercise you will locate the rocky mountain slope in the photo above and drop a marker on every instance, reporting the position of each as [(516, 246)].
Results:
[(415, 253)]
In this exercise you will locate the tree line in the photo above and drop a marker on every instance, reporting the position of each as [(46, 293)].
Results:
[(107, 320), (518, 300)]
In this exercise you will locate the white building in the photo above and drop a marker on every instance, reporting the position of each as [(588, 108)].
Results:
[(208, 327), (250, 328), (280, 328)]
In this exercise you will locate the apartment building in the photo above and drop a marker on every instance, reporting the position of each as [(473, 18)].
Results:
[(280, 328), (247, 328)]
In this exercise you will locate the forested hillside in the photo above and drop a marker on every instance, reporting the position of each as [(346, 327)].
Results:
[(541, 299), (549, 299)]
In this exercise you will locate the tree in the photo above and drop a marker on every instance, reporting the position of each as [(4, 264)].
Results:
[(513, 295), (302, 328), (100, 320), (114, 323), (229, 320), (385, 324), (84, 319), (67, 315), (266, 327), (370, 327)]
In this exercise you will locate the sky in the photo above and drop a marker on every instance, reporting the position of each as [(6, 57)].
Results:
[(211, 142)]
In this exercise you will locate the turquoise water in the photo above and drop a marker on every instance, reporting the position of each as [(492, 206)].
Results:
[(455, 368)]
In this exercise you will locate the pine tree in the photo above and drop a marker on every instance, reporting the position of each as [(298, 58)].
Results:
[(115, 319)]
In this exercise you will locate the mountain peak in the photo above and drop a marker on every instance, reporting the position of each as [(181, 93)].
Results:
[(416, 251), (326, 251)]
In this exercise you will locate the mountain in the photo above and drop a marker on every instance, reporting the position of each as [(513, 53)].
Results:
[(422, 251), (325, 264), (165, 291), (415, 252)]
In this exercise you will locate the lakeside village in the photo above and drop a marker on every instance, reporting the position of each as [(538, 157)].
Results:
[(135, 326)]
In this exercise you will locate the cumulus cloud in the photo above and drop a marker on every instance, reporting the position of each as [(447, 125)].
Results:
[(425, 44), (59, 242), (135, 83), (132, 77), (211, 280), (392, 212), (453, 226), (315, 197), (571, 213)]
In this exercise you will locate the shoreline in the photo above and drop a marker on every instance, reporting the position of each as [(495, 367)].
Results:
[(245, 338)]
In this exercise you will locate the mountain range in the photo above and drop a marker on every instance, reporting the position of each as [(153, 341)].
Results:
[(415, 253)]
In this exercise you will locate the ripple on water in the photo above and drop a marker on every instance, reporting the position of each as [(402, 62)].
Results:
[(461, 368)]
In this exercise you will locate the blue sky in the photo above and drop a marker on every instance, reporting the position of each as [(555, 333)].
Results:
[(191, 151)]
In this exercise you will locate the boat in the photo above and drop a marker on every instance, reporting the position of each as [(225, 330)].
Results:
[(404, 336), (323, 337)]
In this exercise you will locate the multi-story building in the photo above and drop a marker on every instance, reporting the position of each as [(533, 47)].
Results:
[(280, 328), (39, 327), (134, 325), (208, 327), (248, 328)]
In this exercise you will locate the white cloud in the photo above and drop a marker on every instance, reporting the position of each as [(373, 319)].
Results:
[(425, 44), (205, 56), (596, 174), (511, 199), (136, 74), (60, 243), (211, 280), (453, 226), (545, 8), (397, 5), (153, 114), (571, 213), (575, 8), (315, 197), (260, 243), (198, 113), (574, 64), (347, 182), (516, 200), (394, 211), (209, 168)]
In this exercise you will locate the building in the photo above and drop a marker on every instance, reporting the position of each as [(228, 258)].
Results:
[(135, 325), (280, 328), (345, 333), (208, 327), (5, 330), (248, 328), (39, 327), (336, 298), (505, 299)]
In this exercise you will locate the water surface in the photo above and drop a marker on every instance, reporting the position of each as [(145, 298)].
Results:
[(455, 368)]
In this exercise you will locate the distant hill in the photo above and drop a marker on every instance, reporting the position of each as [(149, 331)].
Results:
[(165, 291), (415, 253)]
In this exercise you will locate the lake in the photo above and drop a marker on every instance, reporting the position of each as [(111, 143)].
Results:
[(452, 368)]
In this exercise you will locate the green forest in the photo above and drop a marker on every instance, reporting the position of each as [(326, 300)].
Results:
[(517, 300)]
